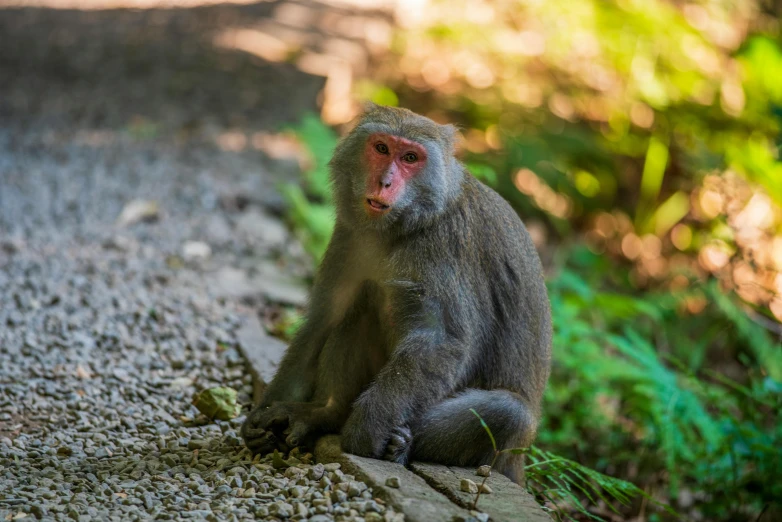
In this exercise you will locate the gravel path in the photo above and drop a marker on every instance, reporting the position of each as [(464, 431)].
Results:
[(120, 200), (102, 350)]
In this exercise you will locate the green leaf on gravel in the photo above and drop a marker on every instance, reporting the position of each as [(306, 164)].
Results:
[(217, 403), (278, 462)]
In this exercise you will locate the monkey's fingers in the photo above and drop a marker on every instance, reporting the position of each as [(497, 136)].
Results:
[(264, 443), (400, 444), (249, 430), (298, 433), (273, 417)]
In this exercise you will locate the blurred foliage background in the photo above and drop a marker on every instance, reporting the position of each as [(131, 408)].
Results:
[(639, 141)]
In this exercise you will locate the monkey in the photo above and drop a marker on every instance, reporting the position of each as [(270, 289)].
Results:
[(430, 301)]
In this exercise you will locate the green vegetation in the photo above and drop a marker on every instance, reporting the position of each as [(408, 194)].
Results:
[(311, 212), (640, 390), (640, 142), (563, 483)]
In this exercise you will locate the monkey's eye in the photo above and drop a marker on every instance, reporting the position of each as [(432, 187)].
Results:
[(410, 157), (382, 148)]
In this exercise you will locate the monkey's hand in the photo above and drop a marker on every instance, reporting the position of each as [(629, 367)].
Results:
[(258, 435), (366, 433), (282, 426)]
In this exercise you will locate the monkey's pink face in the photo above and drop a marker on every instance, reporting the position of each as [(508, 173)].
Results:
[(392, 162)]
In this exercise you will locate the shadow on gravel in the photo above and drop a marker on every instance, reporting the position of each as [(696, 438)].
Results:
[(162, 70), (100, 106)]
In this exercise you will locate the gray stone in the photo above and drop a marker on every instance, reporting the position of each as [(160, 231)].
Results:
[(316, 472), (196, 250), (138, 210), (270, 282), (262, 352), (38, 511), (356, 488), (281, 509), (481, 517), (262, 227), (483, 471), (301, 510)]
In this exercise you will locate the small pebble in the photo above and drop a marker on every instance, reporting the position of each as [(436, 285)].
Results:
[(316, 472), (482, 517), (193, 250), (483, 471), (468, 486)]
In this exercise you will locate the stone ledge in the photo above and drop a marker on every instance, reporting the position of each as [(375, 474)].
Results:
[(414, 497), (261, 351), (508, 502)]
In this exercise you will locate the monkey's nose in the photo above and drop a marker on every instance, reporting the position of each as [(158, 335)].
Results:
[(385, 184)]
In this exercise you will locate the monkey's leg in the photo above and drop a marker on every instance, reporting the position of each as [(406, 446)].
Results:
[(449, 433)]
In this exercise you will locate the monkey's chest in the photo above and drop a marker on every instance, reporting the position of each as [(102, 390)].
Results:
[(373, 313)]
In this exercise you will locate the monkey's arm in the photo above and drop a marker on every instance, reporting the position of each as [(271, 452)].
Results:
[(428, 364), (294, 382), (295, 378)]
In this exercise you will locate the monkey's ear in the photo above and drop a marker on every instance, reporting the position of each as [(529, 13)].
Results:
[(370, 106), (451, 136)]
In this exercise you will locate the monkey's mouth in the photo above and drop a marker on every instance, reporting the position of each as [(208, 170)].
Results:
[(377, 206)]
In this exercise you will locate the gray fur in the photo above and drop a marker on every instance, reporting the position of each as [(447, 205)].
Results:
[(438, 308)]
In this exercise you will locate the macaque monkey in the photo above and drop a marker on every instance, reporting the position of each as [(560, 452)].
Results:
[(429, 302)]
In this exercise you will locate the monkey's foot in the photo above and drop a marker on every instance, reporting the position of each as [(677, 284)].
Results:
[(399, 445)]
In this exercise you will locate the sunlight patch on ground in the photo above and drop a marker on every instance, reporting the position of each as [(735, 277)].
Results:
[(322, 43), (92, 5), (256, 42), (156, 4)]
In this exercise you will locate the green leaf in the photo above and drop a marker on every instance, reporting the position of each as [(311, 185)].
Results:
[(217, 403), (515, 451), (651, 179), (486, 427), (547, 469), (278, 462)]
